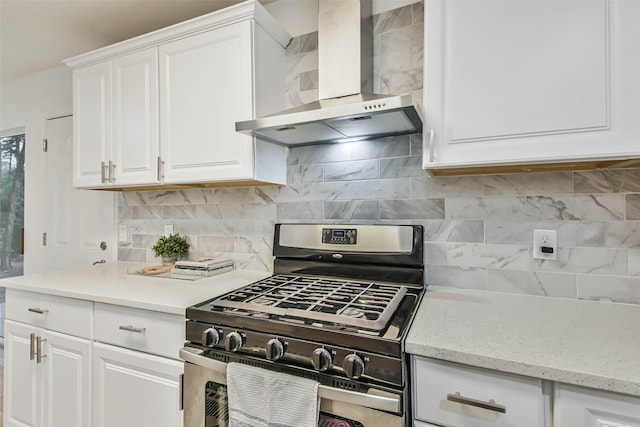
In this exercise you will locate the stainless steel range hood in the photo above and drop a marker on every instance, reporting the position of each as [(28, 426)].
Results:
[(347, 110)]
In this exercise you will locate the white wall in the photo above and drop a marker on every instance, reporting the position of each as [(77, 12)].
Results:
[(27, 102)]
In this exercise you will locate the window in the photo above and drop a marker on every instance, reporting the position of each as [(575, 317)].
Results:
[(12, 154)]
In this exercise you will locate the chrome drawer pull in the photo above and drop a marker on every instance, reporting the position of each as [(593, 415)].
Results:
[(38, 310), (39, 354), (32, 346), (491, 405), (131, 328)]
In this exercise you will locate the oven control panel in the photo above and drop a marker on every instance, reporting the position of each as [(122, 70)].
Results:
[(340, 236), (296, 353)]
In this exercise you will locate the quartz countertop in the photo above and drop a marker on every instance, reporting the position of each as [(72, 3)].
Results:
[(586, 343), (111, 283)]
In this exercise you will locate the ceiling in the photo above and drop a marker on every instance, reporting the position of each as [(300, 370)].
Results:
[(36, 35)]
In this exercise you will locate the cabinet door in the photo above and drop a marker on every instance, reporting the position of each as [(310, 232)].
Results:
[(135, 118), (576, 406), (528, 82), (205, 87), (135, 389), (91, 123), (22, 391), (66, 381)]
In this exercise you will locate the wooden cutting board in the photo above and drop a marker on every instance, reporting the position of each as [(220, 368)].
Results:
[(156, 269)]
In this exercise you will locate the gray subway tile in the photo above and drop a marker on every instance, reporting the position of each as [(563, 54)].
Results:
[(412, 209), (401, 167), (633, 206), (351, 171), (300, 210), (354, 209)]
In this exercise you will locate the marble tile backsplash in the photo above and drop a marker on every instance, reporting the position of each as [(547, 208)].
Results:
[(478, 229)]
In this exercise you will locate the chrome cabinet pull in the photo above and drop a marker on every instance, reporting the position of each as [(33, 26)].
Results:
[(181, 393), (112, 171), (432, 133), (32, 346), (38, 310), (160, 169), (39, 355), (131, 328), (491, 405), (103, 172)]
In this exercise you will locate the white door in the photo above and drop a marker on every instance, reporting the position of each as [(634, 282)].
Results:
[(576, 406), (66, 381), (92, 114), (22, 391), (77, 221), (132, 389), (135, 118), (510, 82), (205, 87)]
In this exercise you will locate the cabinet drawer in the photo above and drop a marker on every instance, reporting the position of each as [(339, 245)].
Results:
[(143, 330), (66, 315), (581, 406), (452, 394)]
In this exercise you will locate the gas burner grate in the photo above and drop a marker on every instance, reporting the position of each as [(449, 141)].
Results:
[(366, 305)]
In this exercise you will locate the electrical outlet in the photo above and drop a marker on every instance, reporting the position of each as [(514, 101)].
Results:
[(545, 244), (168, 229), (122, 233)]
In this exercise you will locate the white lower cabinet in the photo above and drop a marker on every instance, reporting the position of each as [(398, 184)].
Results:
[(133, 389), (578, 406), (457, 395), (75, 363), (49, 380)]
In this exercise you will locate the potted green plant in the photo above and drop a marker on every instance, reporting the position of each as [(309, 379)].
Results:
[(171, 247)]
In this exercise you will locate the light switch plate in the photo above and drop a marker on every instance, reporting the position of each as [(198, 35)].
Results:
[(545, 244)]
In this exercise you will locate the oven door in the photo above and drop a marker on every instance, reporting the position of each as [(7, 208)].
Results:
[(205, 399)]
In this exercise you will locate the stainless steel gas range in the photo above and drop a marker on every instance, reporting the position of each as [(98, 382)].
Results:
[(336, 310)]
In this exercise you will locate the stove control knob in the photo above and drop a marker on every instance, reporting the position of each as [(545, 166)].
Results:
[(353, 366), (321, 359), (274, 349), (233, 342), (210, 337)]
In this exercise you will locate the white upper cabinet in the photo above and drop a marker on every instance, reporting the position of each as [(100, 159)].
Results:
[(115, 121), (135, 118), (528, 84), (91, 123), (207, 85), (161, 108)]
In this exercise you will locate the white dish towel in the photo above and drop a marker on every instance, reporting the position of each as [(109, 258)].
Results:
[(263, 398)]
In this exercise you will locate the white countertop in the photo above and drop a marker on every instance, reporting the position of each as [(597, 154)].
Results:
[(592, 344), (112, 284)]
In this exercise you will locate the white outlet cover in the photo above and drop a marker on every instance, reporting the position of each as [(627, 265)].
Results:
[(546, 238), (168, 229), (122, 233)]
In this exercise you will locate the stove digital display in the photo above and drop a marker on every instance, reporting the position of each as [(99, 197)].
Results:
[(339, 236)]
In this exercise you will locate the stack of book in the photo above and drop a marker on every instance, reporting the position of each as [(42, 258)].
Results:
[(200, 267)]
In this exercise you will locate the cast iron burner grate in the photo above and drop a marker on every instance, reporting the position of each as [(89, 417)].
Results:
[(366, 305)]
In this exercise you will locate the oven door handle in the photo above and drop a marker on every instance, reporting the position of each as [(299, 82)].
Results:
[(381, 403)]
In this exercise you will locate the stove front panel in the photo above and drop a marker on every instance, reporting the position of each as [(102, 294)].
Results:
[(379, 369)]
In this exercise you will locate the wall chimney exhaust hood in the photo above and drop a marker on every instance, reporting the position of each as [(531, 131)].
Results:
[(347, 110)]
